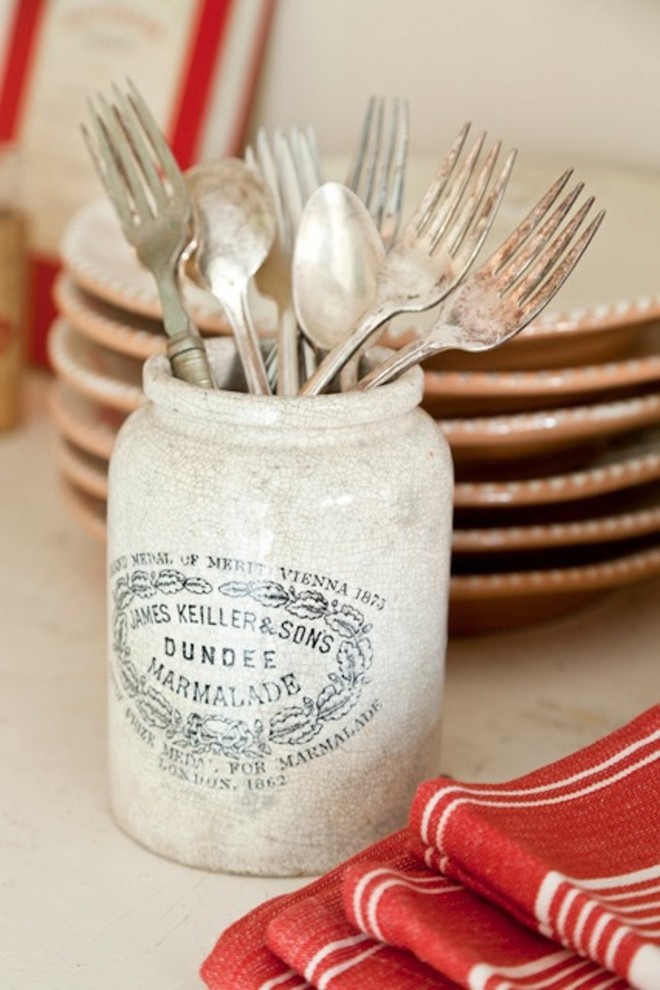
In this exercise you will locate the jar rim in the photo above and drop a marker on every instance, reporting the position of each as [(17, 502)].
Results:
[(335, 408)]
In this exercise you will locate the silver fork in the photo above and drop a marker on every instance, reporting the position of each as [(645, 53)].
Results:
[(148, 192), (506, 293), (290, 167), (378, 173), (435, 249)]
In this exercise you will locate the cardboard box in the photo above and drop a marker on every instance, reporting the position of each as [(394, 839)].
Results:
[(195, 61)]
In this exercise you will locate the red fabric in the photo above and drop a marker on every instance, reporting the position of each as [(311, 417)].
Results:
[(572, 850), (457, 933), (316, 940), (241, 959)]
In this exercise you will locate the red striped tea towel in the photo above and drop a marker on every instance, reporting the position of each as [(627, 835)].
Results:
[(572, 850), (472, 942), (241, 959), (317, 941)]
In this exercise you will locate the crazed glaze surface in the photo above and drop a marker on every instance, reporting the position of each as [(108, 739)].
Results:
[(278, 584)]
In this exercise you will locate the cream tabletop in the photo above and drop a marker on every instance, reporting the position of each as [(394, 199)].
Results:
[(81, 904)]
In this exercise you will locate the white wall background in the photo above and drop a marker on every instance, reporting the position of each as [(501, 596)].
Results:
[(561, 77)]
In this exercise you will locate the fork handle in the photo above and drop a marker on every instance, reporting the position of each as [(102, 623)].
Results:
[(401, 361), (185, 347), (189, 360)]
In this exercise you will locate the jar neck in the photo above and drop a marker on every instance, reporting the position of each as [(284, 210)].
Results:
[(227, 403)]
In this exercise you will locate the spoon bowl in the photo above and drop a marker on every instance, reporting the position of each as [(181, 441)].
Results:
[(336, 261), (234, 230)]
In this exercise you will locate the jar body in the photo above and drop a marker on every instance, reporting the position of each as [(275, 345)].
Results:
[(278, 587)]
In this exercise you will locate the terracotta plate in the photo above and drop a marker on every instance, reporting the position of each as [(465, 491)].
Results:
[(623, 463), (476, 393), (88, 424), (483, 603), (534, 435)]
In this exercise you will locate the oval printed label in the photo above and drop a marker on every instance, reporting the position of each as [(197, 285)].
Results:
[(236, 673)]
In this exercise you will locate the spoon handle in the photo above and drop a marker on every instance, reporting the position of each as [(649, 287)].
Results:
[(238, 314), (337, 358)]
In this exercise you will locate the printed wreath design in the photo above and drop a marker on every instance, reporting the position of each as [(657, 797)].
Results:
[(236, 738)]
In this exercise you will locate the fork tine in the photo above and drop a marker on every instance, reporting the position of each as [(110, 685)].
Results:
[(129, 120), (547, 258), (437, 186), (519, 262), (163, 152), (542, 294), (382, 161), (111, 171), (292, 195), (520, 234), (312, 148), (469, 208), (360, 178), (445, 209), (303, 151), (123, 154), (265, 163), (394, 175), (471, 245)]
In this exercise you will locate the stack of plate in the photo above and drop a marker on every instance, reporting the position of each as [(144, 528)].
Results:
[(555, 437)]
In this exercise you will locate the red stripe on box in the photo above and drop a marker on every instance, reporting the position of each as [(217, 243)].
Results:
[(28, 16), (196, 78), (247, 95)]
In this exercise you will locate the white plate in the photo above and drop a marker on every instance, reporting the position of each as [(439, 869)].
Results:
[(100, 374)]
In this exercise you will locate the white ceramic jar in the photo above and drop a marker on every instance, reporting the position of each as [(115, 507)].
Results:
[(278, 588)]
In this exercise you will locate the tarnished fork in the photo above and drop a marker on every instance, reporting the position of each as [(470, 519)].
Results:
[(510, 289), (149, 194), (378, 172), (435, 249)]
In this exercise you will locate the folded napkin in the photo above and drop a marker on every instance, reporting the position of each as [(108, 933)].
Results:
[(317, 940), (572, 850), (474, 943), (241, 958)]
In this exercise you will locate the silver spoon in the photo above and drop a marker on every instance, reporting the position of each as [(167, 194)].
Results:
[(336, 260), (235, 228)]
